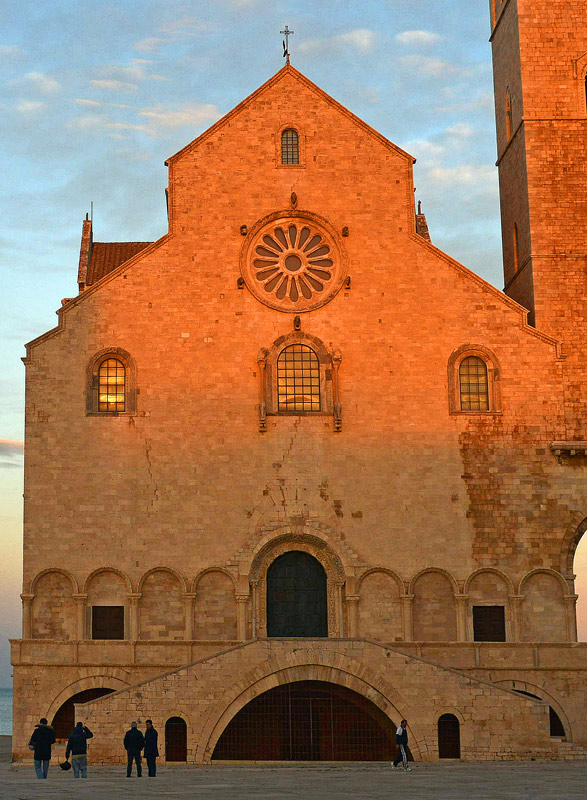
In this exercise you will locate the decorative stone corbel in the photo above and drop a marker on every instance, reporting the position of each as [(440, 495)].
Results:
[(337, 407), (262, 362)]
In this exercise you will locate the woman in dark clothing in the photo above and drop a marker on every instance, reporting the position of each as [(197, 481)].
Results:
[(41, 740)]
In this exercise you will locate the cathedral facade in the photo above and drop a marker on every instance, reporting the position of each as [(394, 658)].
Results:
[(294, 474)]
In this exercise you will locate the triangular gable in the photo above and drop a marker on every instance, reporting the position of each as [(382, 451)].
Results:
[(275, 79)]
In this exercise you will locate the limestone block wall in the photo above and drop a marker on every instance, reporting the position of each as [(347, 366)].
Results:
[(495, 723)]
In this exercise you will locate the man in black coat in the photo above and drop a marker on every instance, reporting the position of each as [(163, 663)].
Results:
[(77, 745), (134, 741), (151, 749), (41, 740)]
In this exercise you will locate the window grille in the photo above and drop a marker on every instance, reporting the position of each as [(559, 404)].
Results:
[(111, 385), (290, 151), (298, 379), (474, 390)]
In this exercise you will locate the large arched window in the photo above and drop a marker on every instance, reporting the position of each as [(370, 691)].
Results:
[(298, 379), (296, 596), (290, 147), (111, 385), (473, 384), (474, 381)]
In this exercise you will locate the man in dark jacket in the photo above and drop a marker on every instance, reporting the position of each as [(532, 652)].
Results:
[(401, 739), (134, 741), (151, 749), (41, 740), (77, 745)]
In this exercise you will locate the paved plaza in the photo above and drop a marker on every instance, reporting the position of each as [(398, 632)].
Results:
[(446, 781)]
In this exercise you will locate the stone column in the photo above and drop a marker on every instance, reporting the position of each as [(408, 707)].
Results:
[(27, 615), (188, 610), (571, 613), (353, 614), (133, 616), (516, 601), (81, 601), (462, 603), (407, 607), (241, 617)]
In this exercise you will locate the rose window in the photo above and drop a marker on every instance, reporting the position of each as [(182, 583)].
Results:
[(292, 264)]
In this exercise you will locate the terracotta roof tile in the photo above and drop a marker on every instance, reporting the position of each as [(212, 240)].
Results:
[(106, 256)]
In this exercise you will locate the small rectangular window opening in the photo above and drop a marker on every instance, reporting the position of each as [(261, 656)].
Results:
[(107, 622), (489, 623)]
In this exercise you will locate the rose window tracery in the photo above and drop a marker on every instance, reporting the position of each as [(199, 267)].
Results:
[(293, 261), (293, 265)]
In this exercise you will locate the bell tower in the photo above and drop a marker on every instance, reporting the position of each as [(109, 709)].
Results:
[(539, 68)]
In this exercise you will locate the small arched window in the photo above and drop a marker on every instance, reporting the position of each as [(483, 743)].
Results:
[(290, 147), (508, 115), (298, 379), (516, 248), (111, 385), (473, 384)]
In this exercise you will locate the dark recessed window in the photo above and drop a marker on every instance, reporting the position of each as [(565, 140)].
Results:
[(111, 385), (489, 623), (290, 147), (473, 384), (107, 622), (298, 379)]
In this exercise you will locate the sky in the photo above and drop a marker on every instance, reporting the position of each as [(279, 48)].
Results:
[(94, 96)]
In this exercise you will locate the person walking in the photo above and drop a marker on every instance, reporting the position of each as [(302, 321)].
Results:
[(41, 740), (134, 741), (151, 749), (401, 739), (77, 746)]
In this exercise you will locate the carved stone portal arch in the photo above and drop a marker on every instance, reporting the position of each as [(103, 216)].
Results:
[(323, 553)]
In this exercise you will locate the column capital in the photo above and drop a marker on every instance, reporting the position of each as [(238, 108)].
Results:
[(80, 598), (27, 598)]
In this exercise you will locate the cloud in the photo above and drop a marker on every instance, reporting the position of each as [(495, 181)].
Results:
[(148, 45), (30, 107), (361, 39), (462, 175), (10, 51), (435, 67), (82, 102), (115, 86), (43, 83), (174, 30), (11, 453), (418, 38), (189, 114)]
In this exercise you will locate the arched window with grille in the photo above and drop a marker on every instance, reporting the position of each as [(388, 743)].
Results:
[(111, 383), (474, 381), (290, 146), (473, 384), (298, 379)]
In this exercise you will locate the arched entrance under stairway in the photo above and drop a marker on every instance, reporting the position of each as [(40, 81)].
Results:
[(308, 721)]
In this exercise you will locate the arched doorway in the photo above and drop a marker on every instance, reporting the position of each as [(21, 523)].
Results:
[(64, 720), (557, 729), (449, 737), (308, 721), (176, 739), (296, 596)]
